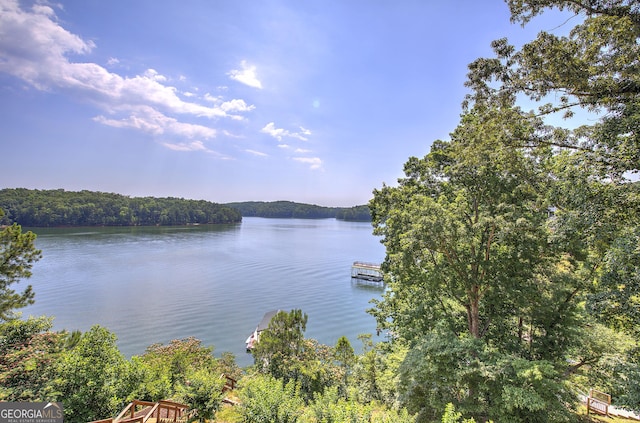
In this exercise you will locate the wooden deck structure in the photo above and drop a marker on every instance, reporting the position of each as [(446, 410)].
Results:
[(151, 412), (164, 411)]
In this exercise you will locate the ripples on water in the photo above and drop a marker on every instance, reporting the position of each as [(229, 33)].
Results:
[(153, 285)]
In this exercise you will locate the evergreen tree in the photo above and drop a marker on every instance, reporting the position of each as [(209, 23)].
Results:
[(17, 256)]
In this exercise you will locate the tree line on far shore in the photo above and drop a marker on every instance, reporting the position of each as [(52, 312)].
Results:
[(292, 210), (51, 208)]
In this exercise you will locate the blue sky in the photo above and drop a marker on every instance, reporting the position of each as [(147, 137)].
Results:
[(315, 101)]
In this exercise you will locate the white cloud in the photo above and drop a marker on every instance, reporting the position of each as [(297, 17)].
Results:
[(231, 134), (270, 128), (197, 146), (302, 151), (113, 61), (315, 163), (247, 75), (153, 74), (147, 119), (143, 102), (257, 153), (184, 146), (236, 105), (212, 99), (278, 133)]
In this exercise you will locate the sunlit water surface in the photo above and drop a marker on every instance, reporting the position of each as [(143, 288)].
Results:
[(150, 285)]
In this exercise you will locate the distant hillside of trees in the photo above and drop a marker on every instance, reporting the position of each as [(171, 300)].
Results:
[(48, 208), (289, 209)]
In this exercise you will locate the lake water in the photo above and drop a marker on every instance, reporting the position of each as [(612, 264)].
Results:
[(155, 284)]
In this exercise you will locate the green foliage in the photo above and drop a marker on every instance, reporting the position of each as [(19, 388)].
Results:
[(92, 377), (164, 370), (596, 201), (465, 231), (282, 209), (281, 344), (616, 300), (357, 213), (265, 399), (17, 256), (442, 369), (149, 381), (594, 66), (28, 355), (480, 382), (452, 416), (476, 266), (315, 369), (345, 358), (86, 208), (629, 371), (227, 365), (367, 371), (203, 393), (284, 353), (331, 407), (291, 210)]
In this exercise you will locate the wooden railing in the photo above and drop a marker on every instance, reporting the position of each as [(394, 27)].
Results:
[(142, 411), (163, 411), (598, 402), (229, 384)]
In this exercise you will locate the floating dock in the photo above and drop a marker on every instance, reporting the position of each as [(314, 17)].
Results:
[(366, 271)]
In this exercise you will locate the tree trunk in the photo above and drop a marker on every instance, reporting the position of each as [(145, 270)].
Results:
[(473, 312)]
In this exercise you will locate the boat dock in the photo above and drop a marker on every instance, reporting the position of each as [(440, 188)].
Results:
[(366, 271)]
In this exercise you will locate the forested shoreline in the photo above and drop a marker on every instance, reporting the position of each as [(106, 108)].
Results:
[(292, 210), (51, 208)]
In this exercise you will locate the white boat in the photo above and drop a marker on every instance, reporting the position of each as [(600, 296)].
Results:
[(264, 324)]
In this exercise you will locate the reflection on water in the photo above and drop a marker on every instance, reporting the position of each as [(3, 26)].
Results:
[(154, 284)]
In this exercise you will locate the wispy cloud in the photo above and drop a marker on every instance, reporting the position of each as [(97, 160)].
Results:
[(186, 146), (149, 120), (143, 102), (257, 153), (315, 163), (279, 133), (245, 75)]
